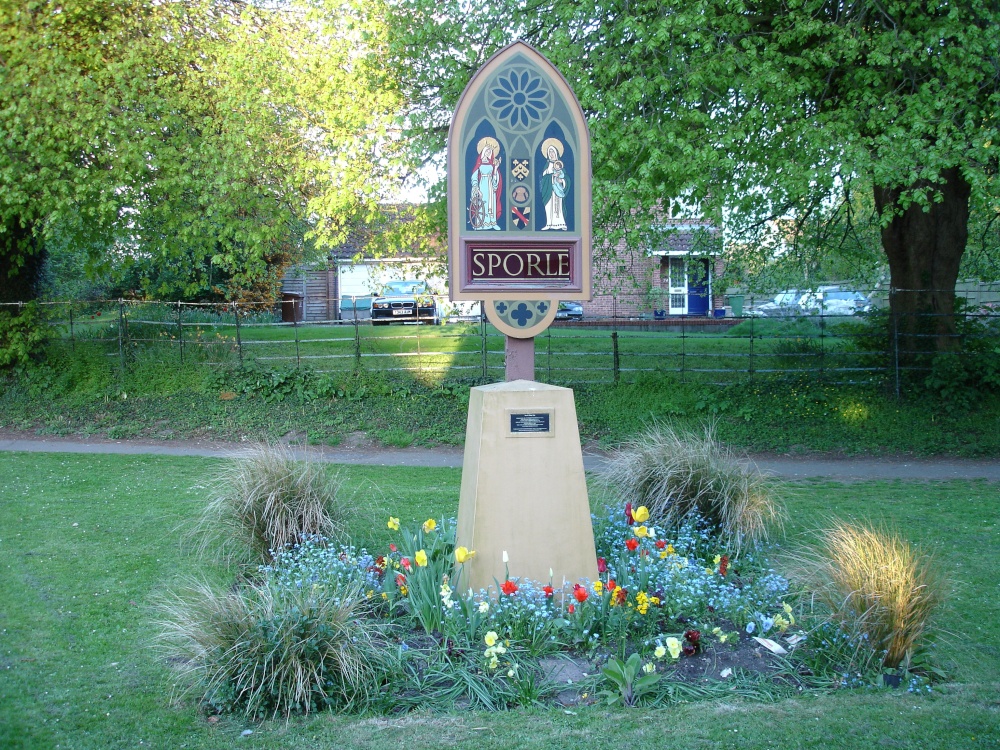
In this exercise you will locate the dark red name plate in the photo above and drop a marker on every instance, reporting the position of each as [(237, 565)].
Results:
[(538, 263)]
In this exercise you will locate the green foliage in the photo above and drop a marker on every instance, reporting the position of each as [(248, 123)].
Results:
[(676, 475), (207, 139), (22, 334), (268, 499), (270, 650), (630, 686), (802, 129)]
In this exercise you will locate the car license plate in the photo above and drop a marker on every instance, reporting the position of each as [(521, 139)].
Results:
[(402, 312)]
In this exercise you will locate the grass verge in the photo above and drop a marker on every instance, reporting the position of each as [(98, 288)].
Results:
[(87, 541)]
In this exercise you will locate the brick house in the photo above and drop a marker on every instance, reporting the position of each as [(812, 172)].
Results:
[(673, 276)]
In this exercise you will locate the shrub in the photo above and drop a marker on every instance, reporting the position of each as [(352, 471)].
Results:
[(677, 474), (22, 334), (268, 499), (270, 649), (874, 583)]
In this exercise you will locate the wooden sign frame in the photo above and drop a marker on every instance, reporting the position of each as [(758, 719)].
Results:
[(518, 157)]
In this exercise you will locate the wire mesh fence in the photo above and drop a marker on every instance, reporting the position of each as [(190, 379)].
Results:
[(841, 345)]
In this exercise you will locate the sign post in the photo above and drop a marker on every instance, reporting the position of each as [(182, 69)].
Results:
[(519, 240), (519, 209)]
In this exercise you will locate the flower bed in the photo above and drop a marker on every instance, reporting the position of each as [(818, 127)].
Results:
[(672, 616)]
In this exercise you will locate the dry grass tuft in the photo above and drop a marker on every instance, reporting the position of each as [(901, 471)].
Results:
[(675, 474), (876, 583), (267, 499), (265, 651)]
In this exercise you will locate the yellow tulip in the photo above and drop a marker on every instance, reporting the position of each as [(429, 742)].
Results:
[(640, 531), (463, 555), (641, 514), (420, 558)]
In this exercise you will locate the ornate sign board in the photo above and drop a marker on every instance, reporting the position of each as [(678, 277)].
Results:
[(519, 212)]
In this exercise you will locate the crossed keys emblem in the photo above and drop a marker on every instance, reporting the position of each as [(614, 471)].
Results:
[(519, 168)]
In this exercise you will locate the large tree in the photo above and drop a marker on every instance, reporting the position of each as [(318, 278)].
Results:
[(770, 114), (197, 139)]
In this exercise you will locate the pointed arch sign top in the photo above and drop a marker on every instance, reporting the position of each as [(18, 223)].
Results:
[(519, 184)]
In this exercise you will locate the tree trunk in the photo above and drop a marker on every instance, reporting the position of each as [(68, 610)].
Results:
[(925, 248), (21, 259)]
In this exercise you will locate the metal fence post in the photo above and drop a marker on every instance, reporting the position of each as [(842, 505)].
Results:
[(72, 338), (180, 332), (357, 334), (239, 339), (616, 357), (683, 351), (121, 335), (822, 335), (751, 348), (482, 343), (895, 341), (295, 327)]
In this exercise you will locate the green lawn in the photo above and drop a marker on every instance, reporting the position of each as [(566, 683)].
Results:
[(87, 541)]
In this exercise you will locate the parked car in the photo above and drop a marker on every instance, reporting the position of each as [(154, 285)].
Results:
[(569, 311), (405, 302), (784, 303), (833, 300)]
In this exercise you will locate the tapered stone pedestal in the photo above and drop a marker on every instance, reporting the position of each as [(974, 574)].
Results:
[(523, 488)]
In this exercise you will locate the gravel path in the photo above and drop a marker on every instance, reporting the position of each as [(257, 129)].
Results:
[(791, 467)]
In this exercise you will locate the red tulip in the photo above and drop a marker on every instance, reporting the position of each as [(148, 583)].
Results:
[(548, 591), (632, 544), (580, 593), (602, 565), (509, 587)]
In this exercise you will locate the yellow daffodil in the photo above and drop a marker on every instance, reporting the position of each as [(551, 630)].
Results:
[(641, 514), (420, 558), (781, 623), (491, 638), (463, 555), (429, 525), (788, 611), (640, 531), (660, 652), (393, 523), (674, 647), (663, 555)]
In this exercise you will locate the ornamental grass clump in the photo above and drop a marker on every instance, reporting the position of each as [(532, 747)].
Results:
[(268, 499), (676, 475), (875, 583), (270, 650)]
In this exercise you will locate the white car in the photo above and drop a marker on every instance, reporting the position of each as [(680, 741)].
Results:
[(834, 301)]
